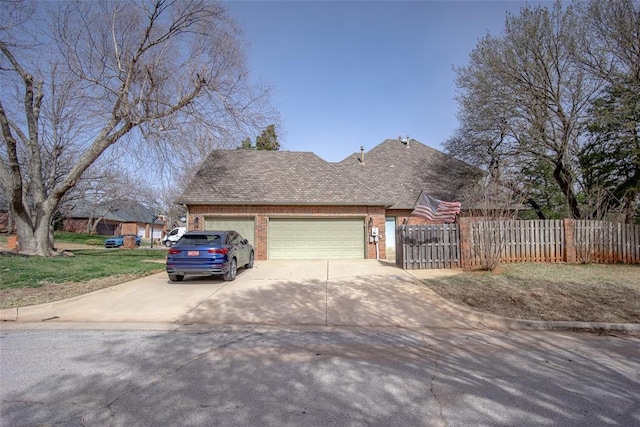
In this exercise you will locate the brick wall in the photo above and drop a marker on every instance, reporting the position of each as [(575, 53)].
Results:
[(74, 225), (130, 228), (402, 215), (261, 215), (79, 225)]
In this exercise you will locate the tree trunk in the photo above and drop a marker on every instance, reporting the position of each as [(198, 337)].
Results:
[(36, 239), (94, 225), (11, 226), (536, 208), (561, 175), (629, 211)]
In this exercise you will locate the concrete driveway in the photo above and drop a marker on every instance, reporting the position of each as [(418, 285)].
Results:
[(321, 293)]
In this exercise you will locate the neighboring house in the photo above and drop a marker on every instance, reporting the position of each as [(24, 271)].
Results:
[(128, 217), (294, 205)]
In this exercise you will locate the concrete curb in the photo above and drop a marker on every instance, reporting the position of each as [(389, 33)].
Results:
[(494, 321)]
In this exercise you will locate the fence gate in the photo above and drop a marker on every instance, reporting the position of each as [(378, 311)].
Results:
[(427, 246)]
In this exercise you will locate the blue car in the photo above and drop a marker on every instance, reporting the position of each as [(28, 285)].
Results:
[(117, 241), (206, 253)]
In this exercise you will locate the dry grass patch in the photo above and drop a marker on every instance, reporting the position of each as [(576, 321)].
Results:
[(561, 292)]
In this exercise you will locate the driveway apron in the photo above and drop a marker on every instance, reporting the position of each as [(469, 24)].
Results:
[(328, 293)]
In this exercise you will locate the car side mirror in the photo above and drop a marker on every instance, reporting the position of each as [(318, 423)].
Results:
[(245, 242)]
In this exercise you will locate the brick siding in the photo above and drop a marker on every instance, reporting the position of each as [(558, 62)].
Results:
[(74, 225), (402, 215)]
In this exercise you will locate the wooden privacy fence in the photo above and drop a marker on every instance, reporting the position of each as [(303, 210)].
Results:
[(607, 242), (427, 246), (517, 241), (465, 244)]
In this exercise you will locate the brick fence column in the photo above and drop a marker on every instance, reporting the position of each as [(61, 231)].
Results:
[(464, 231), (260, 244), (569, 240), (12, 243)]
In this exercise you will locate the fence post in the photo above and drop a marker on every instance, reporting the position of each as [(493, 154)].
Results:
[(401, 247), (569, 240), (464, 230)]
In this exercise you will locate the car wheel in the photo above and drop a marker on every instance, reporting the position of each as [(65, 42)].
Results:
[(176, 277), (251, 259), (167, 243), (233, 269)]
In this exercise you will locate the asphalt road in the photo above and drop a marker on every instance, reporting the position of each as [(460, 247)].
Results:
[(245, 376)]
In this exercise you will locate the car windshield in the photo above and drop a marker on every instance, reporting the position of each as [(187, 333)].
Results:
[(201, 239)]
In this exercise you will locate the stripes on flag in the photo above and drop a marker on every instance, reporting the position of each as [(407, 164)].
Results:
[(436, 210)]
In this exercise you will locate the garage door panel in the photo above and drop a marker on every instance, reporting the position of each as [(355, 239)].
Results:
[(244, 226), (308, 238)]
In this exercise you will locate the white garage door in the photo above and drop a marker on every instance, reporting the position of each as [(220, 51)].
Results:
[(306, 238), (244, 226)]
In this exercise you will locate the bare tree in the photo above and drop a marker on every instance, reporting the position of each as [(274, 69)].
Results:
[(609, 47), (493, 207), (141, 74), (532, 98), (102, 189)]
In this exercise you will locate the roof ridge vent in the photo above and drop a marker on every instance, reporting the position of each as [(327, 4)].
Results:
[(405, 140)]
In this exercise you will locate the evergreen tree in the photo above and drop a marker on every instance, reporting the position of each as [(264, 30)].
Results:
[(246, 144), (268, 140)]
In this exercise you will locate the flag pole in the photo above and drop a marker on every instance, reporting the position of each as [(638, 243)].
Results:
[(414, 208), (405, 223)]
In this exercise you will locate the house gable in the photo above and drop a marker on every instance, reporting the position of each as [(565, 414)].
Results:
[(399, 171)]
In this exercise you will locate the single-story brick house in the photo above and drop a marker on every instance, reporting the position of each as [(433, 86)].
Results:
[(295, 205), (136, 217)]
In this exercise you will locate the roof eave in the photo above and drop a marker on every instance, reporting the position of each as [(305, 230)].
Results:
[(281, 203)]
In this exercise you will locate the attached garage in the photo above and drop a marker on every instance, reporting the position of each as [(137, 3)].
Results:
[(316, 238), (290, 205), (243, 225), (106, 229)]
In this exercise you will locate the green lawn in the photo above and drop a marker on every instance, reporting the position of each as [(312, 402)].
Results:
[(20, 272), (79, 238)]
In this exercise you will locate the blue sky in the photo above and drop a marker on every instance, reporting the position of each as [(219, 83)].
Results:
[(347, 74)]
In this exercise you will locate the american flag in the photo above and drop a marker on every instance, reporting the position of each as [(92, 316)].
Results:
[(436, 210)]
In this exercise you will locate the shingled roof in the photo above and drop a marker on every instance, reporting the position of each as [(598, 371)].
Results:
[(400, 171), (123, 211), (246, 177)]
